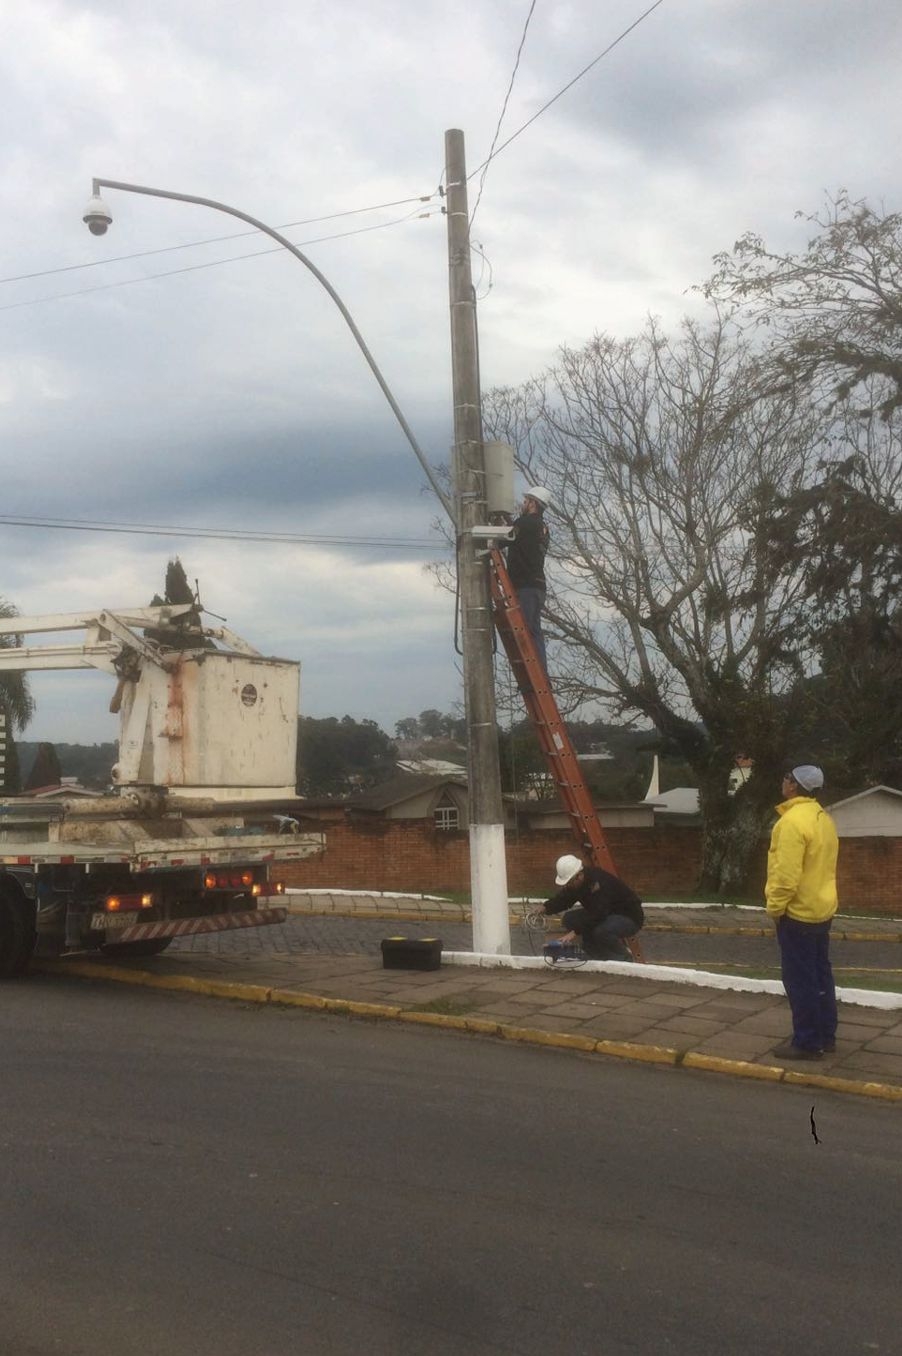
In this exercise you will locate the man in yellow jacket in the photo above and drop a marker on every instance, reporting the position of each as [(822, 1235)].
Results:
[(801, 898)]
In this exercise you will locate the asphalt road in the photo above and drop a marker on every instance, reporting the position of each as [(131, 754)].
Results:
[(182, 1176)]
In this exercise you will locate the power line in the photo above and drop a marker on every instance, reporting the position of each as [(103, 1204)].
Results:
[(485, 166), (215, 534), (212, 263), (610, 47), (212, 240)]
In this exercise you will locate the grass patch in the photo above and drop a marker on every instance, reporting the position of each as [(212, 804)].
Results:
[(880, 981), (448, 1007), (698, 897)]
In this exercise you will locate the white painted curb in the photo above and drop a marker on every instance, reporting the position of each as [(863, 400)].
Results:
[(700, 979)]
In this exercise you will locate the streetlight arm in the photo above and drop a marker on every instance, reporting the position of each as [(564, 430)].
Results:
[(302, 258)]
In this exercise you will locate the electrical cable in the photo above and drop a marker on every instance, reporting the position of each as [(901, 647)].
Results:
[(486, 264), (215, 534), (214, 240), (212, 263), (488, 161), (585, 70)]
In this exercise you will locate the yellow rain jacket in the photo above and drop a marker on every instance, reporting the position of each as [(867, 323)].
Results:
[(801, 863)]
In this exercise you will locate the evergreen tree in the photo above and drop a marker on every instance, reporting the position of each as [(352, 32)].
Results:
[(17, 704)]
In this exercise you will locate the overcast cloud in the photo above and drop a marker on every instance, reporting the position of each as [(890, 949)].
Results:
[(234, 395)]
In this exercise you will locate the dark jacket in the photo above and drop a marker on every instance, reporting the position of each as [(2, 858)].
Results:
[(600, 894), (526, 553)]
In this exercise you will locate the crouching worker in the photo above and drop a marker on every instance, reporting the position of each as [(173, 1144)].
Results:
[(600, 910)]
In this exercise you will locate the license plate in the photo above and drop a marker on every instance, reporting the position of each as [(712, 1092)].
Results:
[(101, 922)]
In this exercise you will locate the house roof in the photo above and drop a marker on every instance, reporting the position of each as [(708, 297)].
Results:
[(403, 787), (431, 767), (861, 795), (680, 800)]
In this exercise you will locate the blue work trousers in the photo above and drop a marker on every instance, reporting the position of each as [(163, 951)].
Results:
[(808, 981), (604, 940), (531, 602)]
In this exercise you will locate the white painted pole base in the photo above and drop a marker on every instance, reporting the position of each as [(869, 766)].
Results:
[(488, 887)]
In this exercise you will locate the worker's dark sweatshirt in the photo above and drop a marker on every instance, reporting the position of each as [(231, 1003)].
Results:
[(600, 894), (526, 553)]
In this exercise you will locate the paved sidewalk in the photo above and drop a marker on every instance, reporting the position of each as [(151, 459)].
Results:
[(611, 1011)]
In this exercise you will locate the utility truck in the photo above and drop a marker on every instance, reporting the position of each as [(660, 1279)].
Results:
[(189, 836)]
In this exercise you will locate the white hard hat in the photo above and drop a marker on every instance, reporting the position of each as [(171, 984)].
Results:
[(566, 868), (539, 493)]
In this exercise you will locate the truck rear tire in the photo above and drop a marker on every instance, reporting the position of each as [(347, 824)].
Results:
[(17, 932), (151, 946)]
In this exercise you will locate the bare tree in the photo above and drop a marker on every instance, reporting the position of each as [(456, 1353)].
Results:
[(666, 602), (833, 312)]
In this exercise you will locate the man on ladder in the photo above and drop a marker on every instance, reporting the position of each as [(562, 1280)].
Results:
[(526, 563)]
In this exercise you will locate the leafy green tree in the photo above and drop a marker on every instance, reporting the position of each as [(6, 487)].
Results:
[(45, 770), (844, 535), (432, 724), (16, 702), (176, 588), (336, 757), (408, 728), (91, 764)]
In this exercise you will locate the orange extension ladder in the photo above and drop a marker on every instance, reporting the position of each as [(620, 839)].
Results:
[(542, 710)]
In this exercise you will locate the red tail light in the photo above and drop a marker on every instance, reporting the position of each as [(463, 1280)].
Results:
[(228, 880), (127, 903)]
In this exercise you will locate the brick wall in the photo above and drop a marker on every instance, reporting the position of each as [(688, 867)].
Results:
[(413, 855), (869, 876)]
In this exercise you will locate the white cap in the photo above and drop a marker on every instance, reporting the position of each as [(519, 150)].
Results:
[(566, 868), (539, 494), (808, 777)]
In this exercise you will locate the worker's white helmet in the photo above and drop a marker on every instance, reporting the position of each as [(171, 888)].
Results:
[(540, 494), (566, 868)]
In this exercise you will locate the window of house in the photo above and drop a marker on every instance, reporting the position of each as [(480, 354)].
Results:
[(447, 816)]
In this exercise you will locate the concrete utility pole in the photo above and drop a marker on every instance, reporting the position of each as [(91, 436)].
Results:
[(488, 864)]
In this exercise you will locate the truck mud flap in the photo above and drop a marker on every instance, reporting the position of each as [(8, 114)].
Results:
[(184, 927)]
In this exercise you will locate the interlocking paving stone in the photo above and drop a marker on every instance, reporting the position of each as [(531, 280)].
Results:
[(613, 1028), (871, 1062), (577, 1010), (510, 1011), (542, 1022), (690, 1025), (775, 1023), (716, 1012), (680, 1000), (733, 1045), (531, 999), (654, 1011), (671, 1040), (569, 988), (885, 1045), (860, 1024)]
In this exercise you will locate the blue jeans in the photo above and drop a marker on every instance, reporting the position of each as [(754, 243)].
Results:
[(531, 602), (604, 940), (808, 981)]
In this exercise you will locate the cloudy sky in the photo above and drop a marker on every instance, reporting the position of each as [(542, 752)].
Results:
[(183, 385)]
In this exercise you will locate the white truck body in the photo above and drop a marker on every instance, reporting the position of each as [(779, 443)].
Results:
[(189, 839)]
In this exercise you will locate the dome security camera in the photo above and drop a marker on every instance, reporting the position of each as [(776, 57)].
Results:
[(97, 216)]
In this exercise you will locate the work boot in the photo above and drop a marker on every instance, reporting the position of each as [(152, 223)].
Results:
[(790, 1051)]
